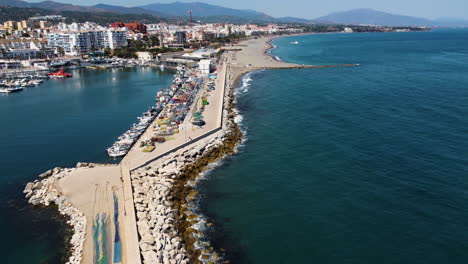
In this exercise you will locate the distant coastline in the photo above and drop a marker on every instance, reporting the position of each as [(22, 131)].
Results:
[(271, 46)]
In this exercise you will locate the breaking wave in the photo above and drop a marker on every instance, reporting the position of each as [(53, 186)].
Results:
[(269, 52), (238, 118), (203, 224), (277, 58), (244, 88)]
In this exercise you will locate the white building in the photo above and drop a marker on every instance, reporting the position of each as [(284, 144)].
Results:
[(205, 66), (76, 39), (24, 49), (144, 56), (154, 28)]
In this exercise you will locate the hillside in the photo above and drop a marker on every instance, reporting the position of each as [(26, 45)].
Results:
[(217, 14), (17, 13), (205, 10), (128, 10), (50, 5), (373, 17), (103, 18), (201, 11)]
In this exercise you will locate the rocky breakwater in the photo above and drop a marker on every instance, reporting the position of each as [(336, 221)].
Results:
[(44, 193), (165, 191), (190, 224), (158, 239)]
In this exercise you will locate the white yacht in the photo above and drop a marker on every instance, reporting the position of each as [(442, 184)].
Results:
[(10, 89), (118, 150)]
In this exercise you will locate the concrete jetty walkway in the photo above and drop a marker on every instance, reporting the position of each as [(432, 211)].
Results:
[(90, 188), (250, 55)]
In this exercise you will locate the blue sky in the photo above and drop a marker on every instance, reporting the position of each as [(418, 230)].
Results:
[(315, 8)]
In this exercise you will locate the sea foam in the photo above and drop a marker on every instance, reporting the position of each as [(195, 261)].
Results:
[(277, 58), (244, 88)]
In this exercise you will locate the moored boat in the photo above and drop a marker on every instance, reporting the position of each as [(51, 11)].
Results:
[(10, 89), (60, 74)]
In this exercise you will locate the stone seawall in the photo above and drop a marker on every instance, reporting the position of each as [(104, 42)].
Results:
[(163, 193), (44, 193), (165, 189), (305, 67), (157, 205)]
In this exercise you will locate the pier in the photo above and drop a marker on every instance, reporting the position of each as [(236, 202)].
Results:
[(91, 188), (96, 189)]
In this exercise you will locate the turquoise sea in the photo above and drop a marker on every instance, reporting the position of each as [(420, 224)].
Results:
[(357, 165), (60, 123)]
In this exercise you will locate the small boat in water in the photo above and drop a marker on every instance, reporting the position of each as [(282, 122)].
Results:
[(57, 64), (118, 150), (61, 74), (295, 42), (11, 89), (36, 82)]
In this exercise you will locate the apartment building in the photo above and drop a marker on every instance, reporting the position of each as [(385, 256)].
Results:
[(77, 39)]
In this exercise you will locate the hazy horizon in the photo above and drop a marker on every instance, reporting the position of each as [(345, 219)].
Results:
[(306, 9)]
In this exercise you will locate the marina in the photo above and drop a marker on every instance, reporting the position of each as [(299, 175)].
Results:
[(171, 107), (45, 121), (10, 83), (17, 80)]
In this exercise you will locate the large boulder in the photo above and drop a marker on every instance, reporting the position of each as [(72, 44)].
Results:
[(147, 238), (57, 170), (46, 174), (143, 227), (28, 188), (150, 257), (145, 247)]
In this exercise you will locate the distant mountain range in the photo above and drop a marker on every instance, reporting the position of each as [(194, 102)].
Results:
[(373, 17), (201, 11), (50, 5), (103, 18), (128, 10), (214, 13), (205, 10)]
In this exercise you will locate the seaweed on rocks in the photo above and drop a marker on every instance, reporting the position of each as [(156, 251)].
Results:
[(185, 193), (43, 193)]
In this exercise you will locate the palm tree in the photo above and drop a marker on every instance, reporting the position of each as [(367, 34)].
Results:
[(43, 51), (60, 51)]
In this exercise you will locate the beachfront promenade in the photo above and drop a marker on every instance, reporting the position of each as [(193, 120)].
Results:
[(91, 189)]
